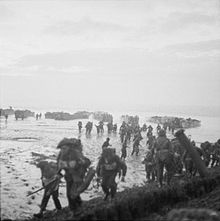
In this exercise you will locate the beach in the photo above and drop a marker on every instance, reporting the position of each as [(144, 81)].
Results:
[(23, 143)]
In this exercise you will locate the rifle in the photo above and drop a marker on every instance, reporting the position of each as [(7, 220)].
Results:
[(29, 194), (45, 186)]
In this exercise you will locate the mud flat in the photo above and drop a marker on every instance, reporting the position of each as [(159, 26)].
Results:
[(148, 202)]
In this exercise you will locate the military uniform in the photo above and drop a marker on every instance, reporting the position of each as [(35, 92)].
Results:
[(75, 164), (108, 166), (149, 162), (50, 180), (164, 157)]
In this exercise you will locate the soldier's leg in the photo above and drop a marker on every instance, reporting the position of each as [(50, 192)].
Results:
[(69, 184), (105, 186), (113, 185), (170, 168), (56, 200), (137, 150), (147, 172), (160, 167), (45, 200)]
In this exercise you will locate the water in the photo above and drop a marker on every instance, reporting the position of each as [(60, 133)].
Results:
[(22, 141)]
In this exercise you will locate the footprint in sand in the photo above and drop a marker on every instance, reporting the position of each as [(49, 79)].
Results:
[(29, 202)]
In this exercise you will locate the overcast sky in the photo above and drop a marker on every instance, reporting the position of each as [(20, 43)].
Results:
[(109, 54)]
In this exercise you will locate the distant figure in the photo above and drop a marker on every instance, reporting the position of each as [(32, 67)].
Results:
[(48, 175), (110, 127), (37, 116), (101, 126), (106, 144), (88, 127), (158, 128), (6, 118), (115, 128), (124, 150), (97, 128), (136, 145), (40, 115), (149, 162), (80, 126)]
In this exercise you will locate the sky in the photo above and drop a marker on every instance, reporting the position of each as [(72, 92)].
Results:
[(109, 54)]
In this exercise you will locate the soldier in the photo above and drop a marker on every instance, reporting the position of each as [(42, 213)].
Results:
[(149, 162), (136, 144), (144, 127), (122, 132), (106, 144), (101, 126), (151, 141), (124, 150), (97, 129), (80, 126), (50, 180), (188, 161), (6, 117), (110, 127), (158, 128), (216, 154), (75, 165), (164, 157), (115, 128), (207, 147), (108, 166)]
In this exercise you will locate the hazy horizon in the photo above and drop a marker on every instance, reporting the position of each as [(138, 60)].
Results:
[(110, 54), (185, 111)]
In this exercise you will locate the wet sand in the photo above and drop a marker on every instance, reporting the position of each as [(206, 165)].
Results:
[(23, 143)]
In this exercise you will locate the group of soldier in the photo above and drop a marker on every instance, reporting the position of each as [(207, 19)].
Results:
[(99, 128), (78, 170), (38, 116), (78, 173)]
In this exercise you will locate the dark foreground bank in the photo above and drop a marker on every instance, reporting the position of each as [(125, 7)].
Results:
[(149, 202)]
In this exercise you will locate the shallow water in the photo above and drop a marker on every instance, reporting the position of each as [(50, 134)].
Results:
[(24, 142)]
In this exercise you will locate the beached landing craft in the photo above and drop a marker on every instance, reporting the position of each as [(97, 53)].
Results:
[(23, 114), (99, 115), (4, 112), (175, 121)]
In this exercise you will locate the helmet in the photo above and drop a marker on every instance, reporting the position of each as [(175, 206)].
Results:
[(71, 142), (162, 133)]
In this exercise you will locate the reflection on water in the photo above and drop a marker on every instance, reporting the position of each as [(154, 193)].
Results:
[(22, 142)]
